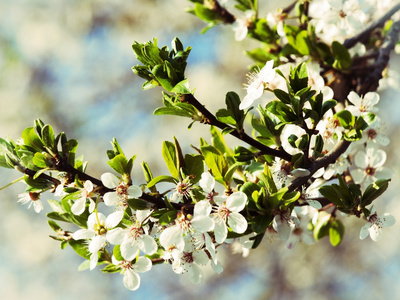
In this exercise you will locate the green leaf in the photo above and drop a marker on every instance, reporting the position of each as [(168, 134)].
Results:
[(117, 253), (341, 55), (226, 116), (48, 136), (54, 225), (215, 161), (281, 111), (138, 204), (170, 158), (260, 223), (346, 119), (336, 232), (31, 139), (161, 178), (168, 217), (282, 95), (80, 247), (321, 229), (194, 166), (121, 165), (182, 87), (111, 269), (373, 191)]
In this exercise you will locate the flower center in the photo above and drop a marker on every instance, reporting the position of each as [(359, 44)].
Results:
[(223, 212), (372, 134), (187, 257), (135, 231), (370, 171)]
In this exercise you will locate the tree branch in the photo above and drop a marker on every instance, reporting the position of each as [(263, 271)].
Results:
[(371, 83), (364, 35), (212, 120), (328, 159)]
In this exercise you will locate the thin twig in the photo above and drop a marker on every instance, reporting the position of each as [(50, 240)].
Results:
[(212, 120)]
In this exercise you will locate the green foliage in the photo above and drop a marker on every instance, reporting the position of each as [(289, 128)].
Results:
[(162, 67)]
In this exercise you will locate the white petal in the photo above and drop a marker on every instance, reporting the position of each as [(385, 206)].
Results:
[(383, 173), (94, 258), (375, 232), (207, 182), (172, 236), (361, 159), (387, 220), (220, 231), (314, 203), (37, 206), (358, 175), (143, 264), (131, 280), (247, 101), (292, 241), (83, 234), (114, 218), (134, 191), (110, 180), (195, 274), (200, 257), (236, 201), (365, 231), (371, 99), (202, 208), (354, 98), (79, 206), (97, 243), (129, 249), (202, 223), (237, 222), (377, 157), (116, 236), (88, 185), (111, 198), (147, 244)]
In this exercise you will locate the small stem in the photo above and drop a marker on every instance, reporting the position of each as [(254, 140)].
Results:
[(11, 183)]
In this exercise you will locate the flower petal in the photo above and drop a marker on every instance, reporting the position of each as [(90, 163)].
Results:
[(131, 280), (143, 264), (237, 222), (129, 249), (147, 244), (236, 201), (114, 218), (220, 231), (202, 223), (110, 180), (79, 206)]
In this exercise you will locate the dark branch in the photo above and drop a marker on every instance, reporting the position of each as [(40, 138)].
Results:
[(328, 159), (371, 83), (364, 35), (212, 120)]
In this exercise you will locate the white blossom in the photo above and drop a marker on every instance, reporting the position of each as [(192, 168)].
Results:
[(258, 81), (130, 271), (31, 198), (100, 231), (122, 192), (375, 224), (228, 211)]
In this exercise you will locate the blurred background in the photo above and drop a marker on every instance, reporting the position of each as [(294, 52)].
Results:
[(69, 64)]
